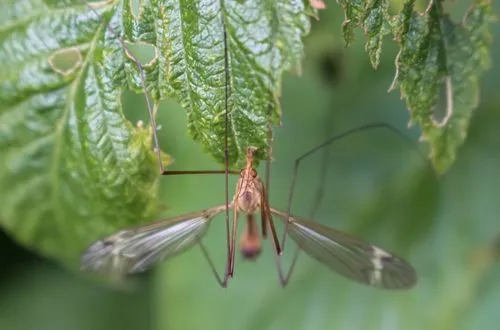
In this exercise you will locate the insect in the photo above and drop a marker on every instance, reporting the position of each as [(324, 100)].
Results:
[(138, 249)]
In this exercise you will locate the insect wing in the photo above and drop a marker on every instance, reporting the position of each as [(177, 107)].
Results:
[(136, 250), (350, 257)]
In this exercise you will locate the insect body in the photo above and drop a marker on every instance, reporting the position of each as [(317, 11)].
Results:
[(138, 249)]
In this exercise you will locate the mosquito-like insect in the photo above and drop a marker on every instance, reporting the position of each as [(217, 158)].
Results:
[(137, 249)]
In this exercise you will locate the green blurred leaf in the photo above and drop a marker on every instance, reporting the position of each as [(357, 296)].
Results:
[(72, 166), (437, 54), (373, 17), (438, 66)]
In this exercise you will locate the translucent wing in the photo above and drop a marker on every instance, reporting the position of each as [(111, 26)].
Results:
[(138, 249), (350, 257)]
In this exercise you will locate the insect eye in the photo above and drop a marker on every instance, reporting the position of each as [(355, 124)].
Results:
[(242, 172), (254, 173)]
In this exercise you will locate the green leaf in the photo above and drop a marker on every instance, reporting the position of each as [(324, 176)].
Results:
[(438, 66), (263, 40), (72, 166), (376, 188), (437, 54), (373, 17)]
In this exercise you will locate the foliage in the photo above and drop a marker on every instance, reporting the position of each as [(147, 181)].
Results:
[(73, 167), (65, 71), (438, 65)]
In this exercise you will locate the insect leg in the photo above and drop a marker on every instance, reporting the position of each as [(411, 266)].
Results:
[(221, 280)]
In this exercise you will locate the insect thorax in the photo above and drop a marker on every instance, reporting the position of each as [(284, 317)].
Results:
[(248, 195)]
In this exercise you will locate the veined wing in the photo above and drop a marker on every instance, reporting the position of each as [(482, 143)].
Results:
[(138, 249), (349, 256)]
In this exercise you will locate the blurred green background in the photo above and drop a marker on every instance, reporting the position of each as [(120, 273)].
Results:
[(375, 187)]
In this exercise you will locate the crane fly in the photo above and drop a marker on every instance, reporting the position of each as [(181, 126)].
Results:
[(138, 249)]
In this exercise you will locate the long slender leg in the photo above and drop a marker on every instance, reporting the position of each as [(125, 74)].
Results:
[(221, 280), (323, 145), (266, 189), (284, 277), (278, 249), (229, 240), (267, 220), (232, 249), (263, 218)]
